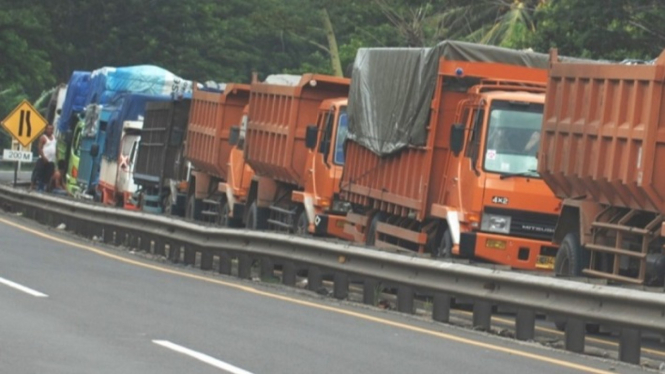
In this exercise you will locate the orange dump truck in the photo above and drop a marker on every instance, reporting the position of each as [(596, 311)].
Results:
[(294, 138), (602, 136), (220, 180), (442, 153)]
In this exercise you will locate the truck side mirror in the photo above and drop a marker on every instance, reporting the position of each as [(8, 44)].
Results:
[(234, 135), (457, 138), (311, 136), (94, 150)]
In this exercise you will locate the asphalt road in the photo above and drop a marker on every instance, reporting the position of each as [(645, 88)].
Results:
[(97, 310)]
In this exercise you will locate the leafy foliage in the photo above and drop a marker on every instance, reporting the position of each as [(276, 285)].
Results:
[(42, 41)]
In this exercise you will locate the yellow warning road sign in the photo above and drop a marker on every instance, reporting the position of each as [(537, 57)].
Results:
[(24, 123)]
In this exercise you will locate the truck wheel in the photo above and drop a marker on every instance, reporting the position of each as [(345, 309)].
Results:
[(570, 257), (445, 247), (190, 210), (224, 219), (370, 236), (167, 208), (255, 219), (302, 224)]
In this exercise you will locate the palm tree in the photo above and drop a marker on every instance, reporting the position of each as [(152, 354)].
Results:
[(499, 22)]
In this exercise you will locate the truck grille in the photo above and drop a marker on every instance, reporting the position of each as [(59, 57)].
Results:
[(526, 224)]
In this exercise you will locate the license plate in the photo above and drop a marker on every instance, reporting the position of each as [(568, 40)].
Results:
[(545, 262)]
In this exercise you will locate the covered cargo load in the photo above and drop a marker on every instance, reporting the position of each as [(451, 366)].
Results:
[(211, 117), (278, 117), (160, 154), (603, 132), (107, 82), (77, 91), (392, 89)]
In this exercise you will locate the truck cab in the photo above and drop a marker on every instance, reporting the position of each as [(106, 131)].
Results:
[(509, 213), (116, 184), (80, 161), (323, 210)]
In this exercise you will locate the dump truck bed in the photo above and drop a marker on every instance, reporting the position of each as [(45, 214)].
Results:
[(603, 132), (278, 118), (211, 117)]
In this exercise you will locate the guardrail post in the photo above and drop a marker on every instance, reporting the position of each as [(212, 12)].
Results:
[(267, 268), (145, 243), (133, 241), (441, 307), (525, 324), (370, 291), (189, 257), (482, 315), (93, 230), (341, 287), (405, 299), (244, 266), (159, 248), (119, 237), (630, 344), (225, 263), (108, 235), (206, 259), (575, 330), (314, 278), (289, 274)]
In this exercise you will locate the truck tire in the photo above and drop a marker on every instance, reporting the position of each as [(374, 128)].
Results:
[(256, 220), (444, 249), (192, 209), (224, 219), (571, 258), (370, 237), (302, 224)]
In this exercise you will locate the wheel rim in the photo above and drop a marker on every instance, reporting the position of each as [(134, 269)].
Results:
[(224, 215), (564, 268), (250, 218), (166, 204), (445, 248), (302, 225), (190, 208)]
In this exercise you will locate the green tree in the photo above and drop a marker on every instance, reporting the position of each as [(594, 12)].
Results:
[(25, 67), (611, 29)]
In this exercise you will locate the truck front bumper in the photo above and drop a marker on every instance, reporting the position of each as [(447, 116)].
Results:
[(518, 253)]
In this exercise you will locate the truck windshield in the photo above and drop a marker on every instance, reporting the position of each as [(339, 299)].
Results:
[(342, 129), (513, 138)]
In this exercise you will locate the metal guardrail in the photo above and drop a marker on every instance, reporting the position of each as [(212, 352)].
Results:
[(631, 311)]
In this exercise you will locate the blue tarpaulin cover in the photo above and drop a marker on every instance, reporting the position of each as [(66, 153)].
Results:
[(130, 107), (107, 82), (77, 92)]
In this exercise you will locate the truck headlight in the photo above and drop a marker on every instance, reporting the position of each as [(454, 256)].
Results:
[(495, 223)]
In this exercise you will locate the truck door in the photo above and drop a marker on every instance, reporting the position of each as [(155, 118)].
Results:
[(471, 177), (125, 181)]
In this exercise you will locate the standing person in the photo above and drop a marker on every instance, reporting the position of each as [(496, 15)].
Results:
[(45, 165)]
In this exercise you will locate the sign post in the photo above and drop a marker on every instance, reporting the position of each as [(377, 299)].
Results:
[(25, 124), (18, 154)]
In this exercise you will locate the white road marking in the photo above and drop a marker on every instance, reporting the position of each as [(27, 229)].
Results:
[(19, 287), (201, 357)]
